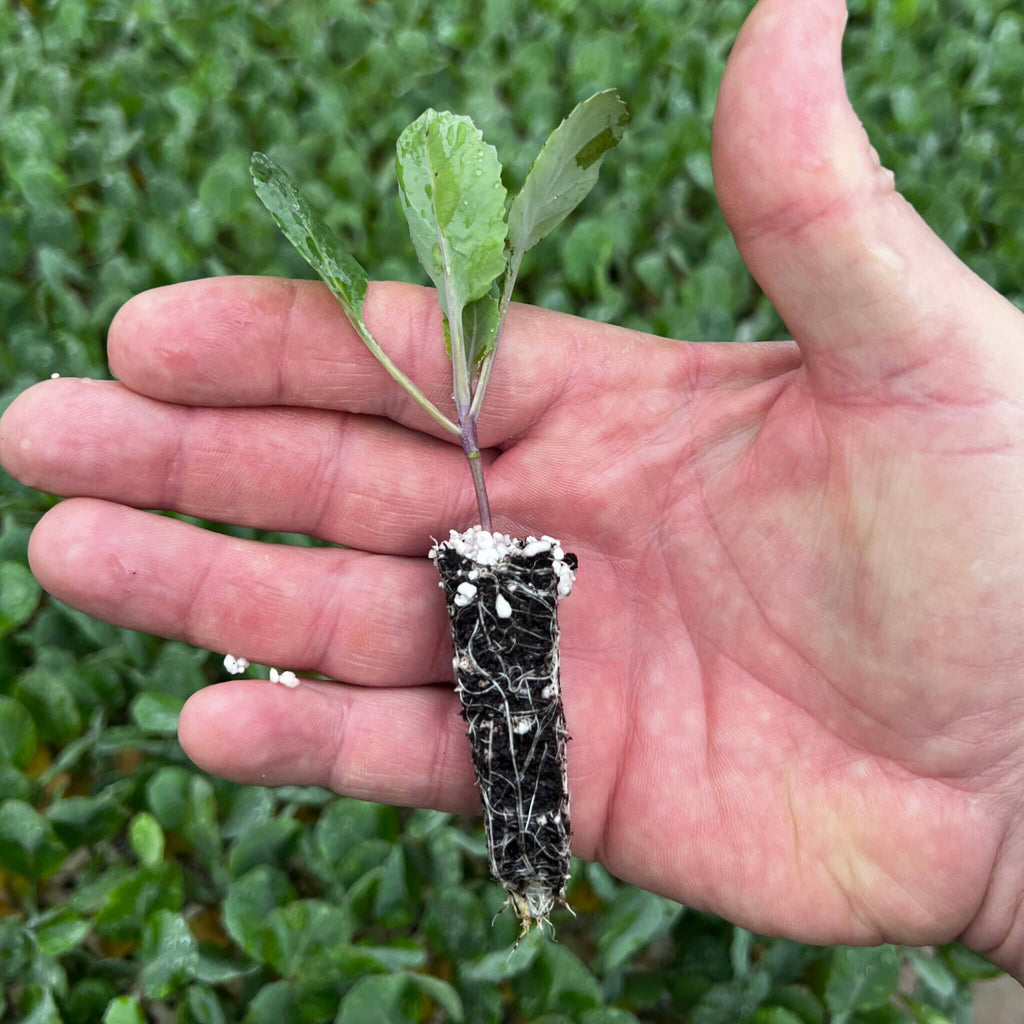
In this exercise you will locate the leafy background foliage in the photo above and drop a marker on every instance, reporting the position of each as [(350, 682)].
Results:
[(132, 886)]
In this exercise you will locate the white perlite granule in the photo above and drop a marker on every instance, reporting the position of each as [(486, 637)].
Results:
[(289, 679), (236, 666), (486, 548)]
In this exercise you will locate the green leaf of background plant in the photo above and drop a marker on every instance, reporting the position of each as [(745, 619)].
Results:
[(861, 978), (48, 698), (268, 843), (732, 1000), (157, 712), (19, 596), (440, 993), (558, 981), (502, 964), (147, 839), (248, 902), (565, 170), (61, 932), (84, 820), (202, 1006), (608, 1015), (934, 974), (124, 1010), (170, 954), (454, 202), (301, 938), (41, 1006), (134, 898), (966, 964), (634, 920), (28, 844), (17, 733)]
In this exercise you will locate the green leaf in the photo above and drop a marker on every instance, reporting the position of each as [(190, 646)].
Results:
[(966, 964), (454, 202), (504, 963), (167, 796), (345, 824), (383, 999), (480, 327), (124, 1010), (775, 1015), (19, 596), (440, 993), (215, 970), (249, 900), (306, 230), (170, 954), (200, 824), (40, 1006), (925, 1014), (635, 919), (396, 999), (397, 894), (276, 1003), (732, 1000), (861, 978), (14, 785), (799, 1001), (934, 974), (87, 1000), (455, 923), (558, 980), (565, 170), (64, 931), (304, 939), (252, 805), (134, 898), (157, 712), (49, 700), (202, 1006), (176, 670), (17, 733), (608, 1015), (28, 843), (269, 843), (85, 820), (147, 839)]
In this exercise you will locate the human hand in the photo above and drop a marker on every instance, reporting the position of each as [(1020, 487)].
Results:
[(792, 659)]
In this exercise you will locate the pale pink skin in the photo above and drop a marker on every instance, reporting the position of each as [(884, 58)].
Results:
[(793, 663)]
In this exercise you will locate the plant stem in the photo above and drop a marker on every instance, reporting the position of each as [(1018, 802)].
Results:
[(476, 467), (414, 392)]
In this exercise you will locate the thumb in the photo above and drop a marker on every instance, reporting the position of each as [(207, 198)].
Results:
[(880, 308)]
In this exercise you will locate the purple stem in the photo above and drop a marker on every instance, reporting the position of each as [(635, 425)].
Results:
[(476, 467)]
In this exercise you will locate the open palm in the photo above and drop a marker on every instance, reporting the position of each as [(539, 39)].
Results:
[(792, 661)]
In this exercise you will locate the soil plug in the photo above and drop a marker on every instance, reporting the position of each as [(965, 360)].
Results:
[(502, 592)]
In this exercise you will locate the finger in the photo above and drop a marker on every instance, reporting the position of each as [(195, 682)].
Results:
[(875, 300), (400, 746), (361, 481), (367, 619), (266, 341)]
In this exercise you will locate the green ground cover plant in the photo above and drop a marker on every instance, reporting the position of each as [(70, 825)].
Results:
[(133, 887)]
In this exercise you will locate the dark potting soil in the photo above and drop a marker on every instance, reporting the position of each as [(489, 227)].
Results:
[(507, 674)]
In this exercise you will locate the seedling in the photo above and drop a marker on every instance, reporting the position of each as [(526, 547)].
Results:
[(501, 592)]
